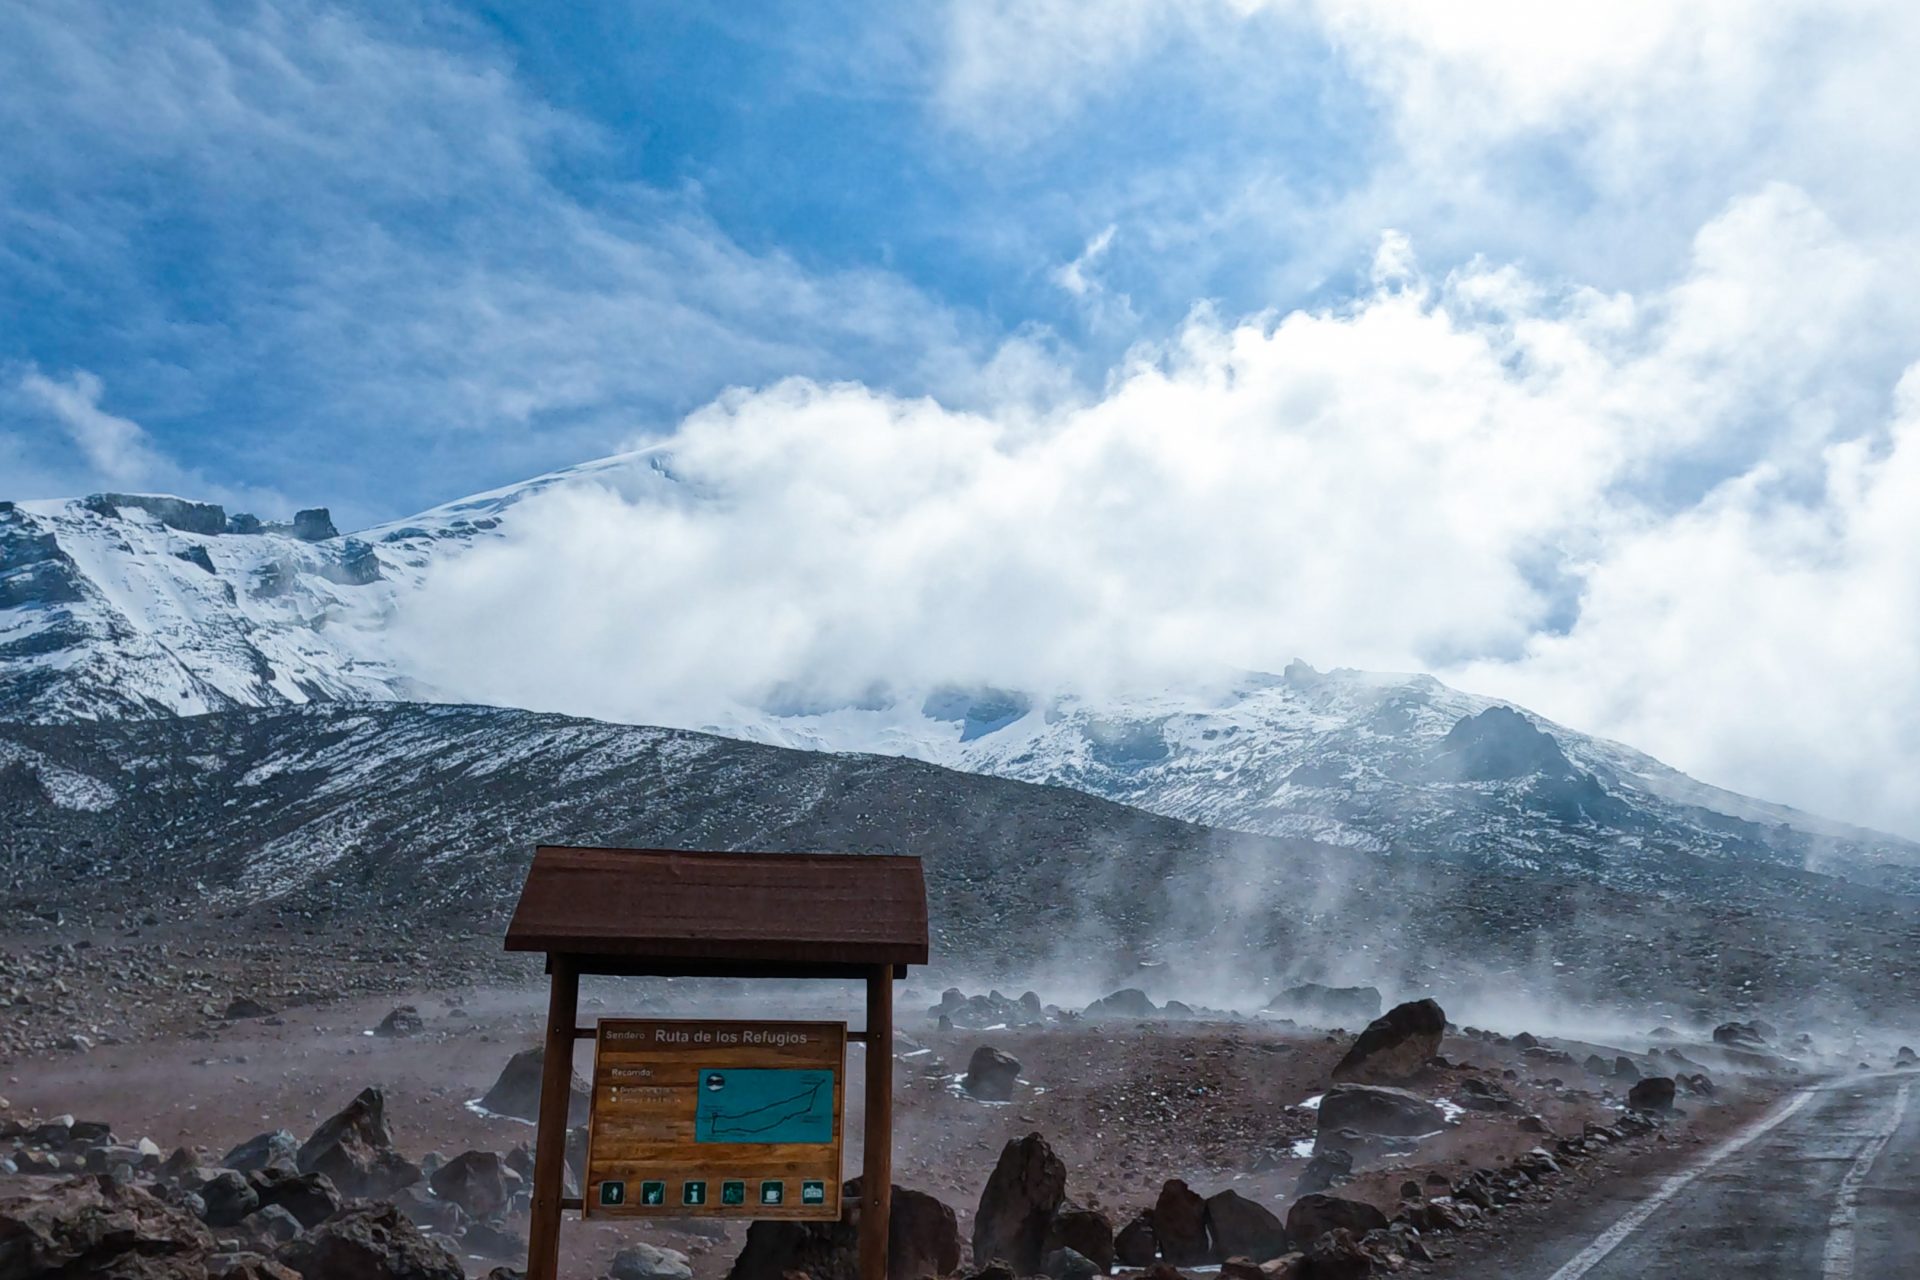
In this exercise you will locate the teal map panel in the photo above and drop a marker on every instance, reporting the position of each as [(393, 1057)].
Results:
[(764, 1106)]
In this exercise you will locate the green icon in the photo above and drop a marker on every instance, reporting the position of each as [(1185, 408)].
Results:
[(653, 1193), (693, 1193), (732, 1192), (773, 1191), (813, 1192), (613, 1192)]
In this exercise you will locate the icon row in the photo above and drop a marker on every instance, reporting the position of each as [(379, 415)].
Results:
[(693, 1193)]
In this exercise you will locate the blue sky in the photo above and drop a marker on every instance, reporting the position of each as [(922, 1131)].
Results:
[(380, 255)]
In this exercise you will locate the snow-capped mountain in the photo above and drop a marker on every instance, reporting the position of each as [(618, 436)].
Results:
[(137, 606)]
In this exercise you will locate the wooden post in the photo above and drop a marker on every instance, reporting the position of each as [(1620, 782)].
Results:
[(876, 1152), (550, 1142)]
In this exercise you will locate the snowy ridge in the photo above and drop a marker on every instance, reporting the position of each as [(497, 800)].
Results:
[(136, 607)]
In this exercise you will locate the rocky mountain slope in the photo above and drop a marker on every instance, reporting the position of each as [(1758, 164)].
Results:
[(413, 824), (134, 606)]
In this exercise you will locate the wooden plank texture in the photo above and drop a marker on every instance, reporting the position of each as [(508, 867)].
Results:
[(764, 911)]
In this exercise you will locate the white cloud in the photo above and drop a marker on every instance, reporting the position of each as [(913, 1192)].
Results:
[(116, 449), (1424, 478)]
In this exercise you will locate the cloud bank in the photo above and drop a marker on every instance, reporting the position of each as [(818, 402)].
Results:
[(1681, 519)]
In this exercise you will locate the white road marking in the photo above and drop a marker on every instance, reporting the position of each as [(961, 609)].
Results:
[(1609, 1240), (1837, 1262)]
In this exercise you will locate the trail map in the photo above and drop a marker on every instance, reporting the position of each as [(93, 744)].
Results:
[(758, 1105)]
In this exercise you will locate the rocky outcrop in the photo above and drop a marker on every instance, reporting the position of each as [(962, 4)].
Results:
[(1134, 1245), (175, 513), (1241, 1228), (373, 1242), (102, 1229), (315, 524), (517, 1091), (1023, 1193), (923, 1239), (1379, 1110), (991, 1074), (1397, 1045), (355, 1149)]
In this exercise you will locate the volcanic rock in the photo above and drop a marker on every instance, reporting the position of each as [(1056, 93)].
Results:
[(923, 1239), (648, 1262), (99, 1228), (310, 1197), (270, 1226), (1476, 1093), (372, 1242), (1655, 1093), (517, 1092), (228, 1197), (404, 1020), (1128, 1002), (1065, 1264), (1397, 1045), (1742, 1035), (1906, 1057), (990, 1074), (474, 1180), (276, 1149), (1239, 1227), (1023, 1193), (248, 1007), (1180, 1225), (1337, 1255), (1312, 1216), (355, 1149), (1085, 1231), (1134, 1245), (1376, 1109)]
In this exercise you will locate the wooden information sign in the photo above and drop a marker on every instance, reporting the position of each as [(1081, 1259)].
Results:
[(715, 1119)]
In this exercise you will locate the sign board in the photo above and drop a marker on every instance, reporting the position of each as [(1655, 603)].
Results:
[(715, 1119)]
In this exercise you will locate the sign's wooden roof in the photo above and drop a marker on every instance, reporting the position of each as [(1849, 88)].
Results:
[(756, 914)]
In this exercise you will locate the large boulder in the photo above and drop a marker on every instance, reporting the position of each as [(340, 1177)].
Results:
[(1087, 1232), (1397, 1045), (991, 1074), (1327, 1006), (310, 1197), (1243, 1228), (1128, 1002), (648, 1262), (1180, 1225), (102, 1229), (476, 1181), (355, 1149), (1655, 1093), (1134, 1244), (517, 1092), (372, 1242), (1741, 1035), (228, 1197), (1376, 1109), (1312, 1216), (278, 1148), (923, 1239), (1024, 1191)]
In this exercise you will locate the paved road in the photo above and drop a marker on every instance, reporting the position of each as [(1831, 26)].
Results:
[(1826, 1187)]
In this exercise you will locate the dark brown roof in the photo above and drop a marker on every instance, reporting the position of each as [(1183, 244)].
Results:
[(667, 910)]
